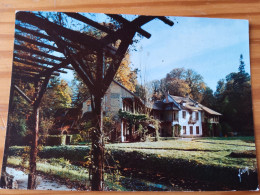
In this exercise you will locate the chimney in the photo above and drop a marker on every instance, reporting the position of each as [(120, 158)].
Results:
[(166, 96)]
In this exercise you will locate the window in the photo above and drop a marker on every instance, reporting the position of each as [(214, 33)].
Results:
[(184, 114), (175, 116), (191, 130), (184, 129), (89, 108), (197, 130), (197, 116)]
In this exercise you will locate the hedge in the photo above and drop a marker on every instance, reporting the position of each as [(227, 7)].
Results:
[(72, 153)]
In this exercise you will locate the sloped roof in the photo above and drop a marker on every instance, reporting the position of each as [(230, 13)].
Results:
[(160, 105), (208, 110), (156, 105), (191, 104)]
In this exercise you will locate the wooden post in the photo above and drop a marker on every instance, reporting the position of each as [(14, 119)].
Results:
[(34, 144), (97, 148), (97, 134)]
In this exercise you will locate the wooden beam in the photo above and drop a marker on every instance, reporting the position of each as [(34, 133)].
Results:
[(23, 73), (27, 78), (123, 33), (22, 94), (141, 20), (33, 51), (30, 63), (89, 22), (111, 71), (33, 32), (30, 69), (25, 39), (126, 22), (37, 102), (84, 66), (166, 20), (69, 34), (62, 45), (55, 68), (25, 68), (40, 35), (40, 61)]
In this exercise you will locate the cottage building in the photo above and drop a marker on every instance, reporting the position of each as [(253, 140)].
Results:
[(182, 116), (117, 98)]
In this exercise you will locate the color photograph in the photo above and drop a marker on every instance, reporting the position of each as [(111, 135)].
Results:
[(114, 102)]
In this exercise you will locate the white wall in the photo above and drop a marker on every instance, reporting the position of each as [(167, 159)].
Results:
[(184, 122)]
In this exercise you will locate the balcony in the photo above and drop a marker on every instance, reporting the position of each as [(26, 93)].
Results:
[(192, 121)]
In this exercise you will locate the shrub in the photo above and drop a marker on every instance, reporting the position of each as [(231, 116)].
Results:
[(73, 153), (56, 140)]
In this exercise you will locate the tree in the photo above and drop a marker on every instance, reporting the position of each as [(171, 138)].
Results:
[(80, 90), (57, 96), (141, 92), (178, 87), (234, 101), (208, 98), (18, 117), (196, 84), (125, 75), (181, 82)]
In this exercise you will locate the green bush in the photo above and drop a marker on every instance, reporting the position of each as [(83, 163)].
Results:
[(73, 153), (75, 139), (56, 140)]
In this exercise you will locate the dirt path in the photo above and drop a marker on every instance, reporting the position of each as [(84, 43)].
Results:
[(42, 183)]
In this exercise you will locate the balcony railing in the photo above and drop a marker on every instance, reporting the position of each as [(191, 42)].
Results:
[(192, 121)]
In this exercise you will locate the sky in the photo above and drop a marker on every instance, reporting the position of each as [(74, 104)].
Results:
[(211, 47)]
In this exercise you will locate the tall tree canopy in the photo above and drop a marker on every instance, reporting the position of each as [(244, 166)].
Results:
[(181, 82), (125, 75), (234, 100)]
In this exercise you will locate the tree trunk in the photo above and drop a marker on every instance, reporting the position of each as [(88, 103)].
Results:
[(97, 147), (34, 148)]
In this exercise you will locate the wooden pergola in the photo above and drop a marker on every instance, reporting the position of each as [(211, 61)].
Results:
[(57, 48)]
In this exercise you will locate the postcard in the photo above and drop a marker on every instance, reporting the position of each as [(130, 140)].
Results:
[(111, 102)]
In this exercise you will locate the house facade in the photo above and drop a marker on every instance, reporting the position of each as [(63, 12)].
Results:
[(117, 98), (182, 116)]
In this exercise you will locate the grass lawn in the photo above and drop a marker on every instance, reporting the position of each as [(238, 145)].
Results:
[(56, 167), (201, 159), (206, 151)]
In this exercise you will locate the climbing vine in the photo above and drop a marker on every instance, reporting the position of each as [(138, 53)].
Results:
[(137, 118), (132, 118)]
